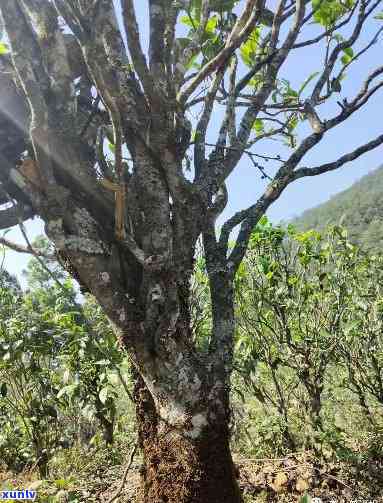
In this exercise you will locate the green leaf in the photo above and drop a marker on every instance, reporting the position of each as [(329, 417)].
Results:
[(379, 16), (249, 48), (327, 12), (211, 25), (345, 59), (258, 126), (265, 264), (349, 52), (190, 21), (3, 48), (348, 55), (195, 7)]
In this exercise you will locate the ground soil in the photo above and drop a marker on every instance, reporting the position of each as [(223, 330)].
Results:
[(284, 480)]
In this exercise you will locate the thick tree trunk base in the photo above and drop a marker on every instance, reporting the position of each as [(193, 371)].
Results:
[(180, 469)]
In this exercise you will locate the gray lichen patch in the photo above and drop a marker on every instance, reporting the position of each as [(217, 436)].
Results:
[(87, 226), (55, 231), (174, 414), (156, 10), (199, 422), (86, 245)]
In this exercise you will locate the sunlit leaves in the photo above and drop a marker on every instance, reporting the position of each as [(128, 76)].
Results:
[(212, 37), (47, 353), (210, 42), (249, 48), (307, 294), (328, 12), (347, 56), (258, 126), (190, 21), (3, 48), (211, 25)]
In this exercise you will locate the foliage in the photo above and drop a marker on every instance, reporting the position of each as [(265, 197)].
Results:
[(57, 359), (309, 328), (28, 378), (38, 276)]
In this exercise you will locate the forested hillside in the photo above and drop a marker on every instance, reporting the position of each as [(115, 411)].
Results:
[(360, 208)]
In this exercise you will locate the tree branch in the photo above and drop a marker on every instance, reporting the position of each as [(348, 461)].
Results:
[(25, 249), (241, 31), (331, 166), (157, 29), (136, 52), (362, 16), (234, 155)]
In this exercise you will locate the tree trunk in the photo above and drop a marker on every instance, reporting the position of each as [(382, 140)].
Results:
[(178, 468), (42, 459), (107, 430), (106, 423), (182, 405)]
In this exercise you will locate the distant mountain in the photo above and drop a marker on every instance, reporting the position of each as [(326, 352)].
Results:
[(359, 208)]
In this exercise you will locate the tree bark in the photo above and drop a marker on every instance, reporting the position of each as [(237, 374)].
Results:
[(106, 423), (178, 468)]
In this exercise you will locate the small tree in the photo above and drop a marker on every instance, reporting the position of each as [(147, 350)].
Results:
[(55, 357), (126, 224), (88, 357), (294, 296), (29, 378), (90, 347), (360, 344), (309, 324)]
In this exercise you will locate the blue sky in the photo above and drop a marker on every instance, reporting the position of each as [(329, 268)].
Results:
[(245, 185)]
